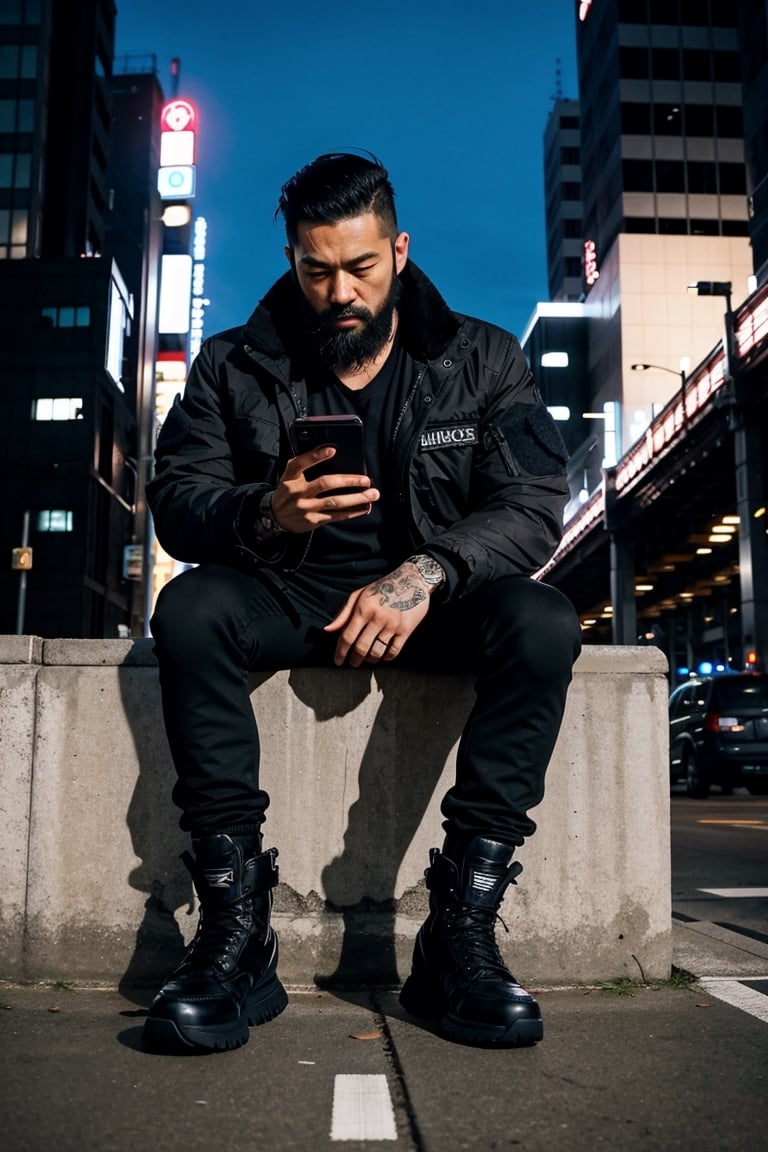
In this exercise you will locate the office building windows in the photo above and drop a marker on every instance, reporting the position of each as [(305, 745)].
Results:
[(702, 178), (697, 64), (17, 115), (670, 176), (730, 122), (638, 175), (66, 316), (58, 408), (54, 520), (665, 64), (635, 119), (13, 233)]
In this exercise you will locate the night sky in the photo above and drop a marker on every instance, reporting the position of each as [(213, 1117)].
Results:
[(453, 99)]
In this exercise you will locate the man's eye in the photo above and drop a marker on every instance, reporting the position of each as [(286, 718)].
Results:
[(364, 269), (315, 275)]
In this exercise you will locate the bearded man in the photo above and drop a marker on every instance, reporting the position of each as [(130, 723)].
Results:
[(423, 560)]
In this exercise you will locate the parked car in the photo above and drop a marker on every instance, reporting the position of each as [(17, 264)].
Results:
[(718, 733)]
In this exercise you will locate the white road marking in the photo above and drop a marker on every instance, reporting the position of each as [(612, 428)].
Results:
[(362, 1109), (736, 994), (735, 893)]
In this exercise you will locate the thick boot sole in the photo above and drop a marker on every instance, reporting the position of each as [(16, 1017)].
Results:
[(170, 1037), (426, 1000), (520, 1034)]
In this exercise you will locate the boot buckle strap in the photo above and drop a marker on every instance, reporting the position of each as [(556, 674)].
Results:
[(261, 872)]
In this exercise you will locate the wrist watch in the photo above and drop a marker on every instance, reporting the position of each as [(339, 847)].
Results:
[(428, 568), (266, 525)]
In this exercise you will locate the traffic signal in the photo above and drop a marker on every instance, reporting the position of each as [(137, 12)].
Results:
[(21, 559)]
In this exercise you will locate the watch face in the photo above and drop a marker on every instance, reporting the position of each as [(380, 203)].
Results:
[(429, 569)]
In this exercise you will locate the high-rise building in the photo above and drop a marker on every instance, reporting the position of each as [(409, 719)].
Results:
[(666, 541), (77, 282), (663, 190), (563, 208), (753, 16)]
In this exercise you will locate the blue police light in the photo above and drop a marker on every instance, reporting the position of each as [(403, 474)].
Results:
[(683, 671), (705, 668)]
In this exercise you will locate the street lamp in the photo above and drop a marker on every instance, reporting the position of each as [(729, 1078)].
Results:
[(721, 288), (681, 374)]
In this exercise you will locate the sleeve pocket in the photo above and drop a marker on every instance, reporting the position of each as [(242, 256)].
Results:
[(534, 440)]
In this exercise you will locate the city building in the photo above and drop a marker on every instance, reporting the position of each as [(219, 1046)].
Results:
[(563, 208), (667, 542), (70, 424), (753, 17), (92, 243)]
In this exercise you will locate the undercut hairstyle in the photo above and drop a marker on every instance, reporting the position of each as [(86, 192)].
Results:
[(337, 186)]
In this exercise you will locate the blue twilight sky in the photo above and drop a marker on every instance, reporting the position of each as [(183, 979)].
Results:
[(452, 97)]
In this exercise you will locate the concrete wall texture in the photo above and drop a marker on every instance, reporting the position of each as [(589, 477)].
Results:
[(356, 763)]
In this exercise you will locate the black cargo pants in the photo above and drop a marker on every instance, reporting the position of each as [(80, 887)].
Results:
[(214, 624)]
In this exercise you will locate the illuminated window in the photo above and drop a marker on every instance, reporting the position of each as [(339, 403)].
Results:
[(66, 316), (119, 326), (58, 408), (54, 520), (554, 360)]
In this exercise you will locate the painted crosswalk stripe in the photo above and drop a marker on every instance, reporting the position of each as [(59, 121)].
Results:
[(362, 1109), (736, 994), (736, 893)]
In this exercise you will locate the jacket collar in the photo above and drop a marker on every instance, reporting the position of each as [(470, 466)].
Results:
[(427, 324)]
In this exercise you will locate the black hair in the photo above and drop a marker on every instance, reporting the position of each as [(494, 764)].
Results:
[(337, 186)]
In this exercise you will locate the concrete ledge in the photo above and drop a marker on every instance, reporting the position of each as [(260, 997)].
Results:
[(356, 764)]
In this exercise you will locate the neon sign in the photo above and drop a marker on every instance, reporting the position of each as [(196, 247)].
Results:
[(178, 116), (176, 175), (591, 272), (199, 300)]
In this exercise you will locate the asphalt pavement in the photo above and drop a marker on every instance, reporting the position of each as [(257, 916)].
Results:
[(678, 1065)]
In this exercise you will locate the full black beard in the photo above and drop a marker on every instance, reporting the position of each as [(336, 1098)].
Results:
[(341, 349)]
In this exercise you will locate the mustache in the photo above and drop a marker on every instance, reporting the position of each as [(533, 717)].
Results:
[(344, 312)]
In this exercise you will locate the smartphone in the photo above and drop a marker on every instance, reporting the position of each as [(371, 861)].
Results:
[(345, 433)]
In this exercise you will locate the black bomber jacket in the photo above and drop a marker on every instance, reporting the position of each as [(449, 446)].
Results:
[(478, 462)]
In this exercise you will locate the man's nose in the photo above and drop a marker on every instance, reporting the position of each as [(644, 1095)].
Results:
[(342, 288)]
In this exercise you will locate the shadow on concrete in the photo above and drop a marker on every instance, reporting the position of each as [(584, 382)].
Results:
[(155, 837), (360, 883), (384, 819)]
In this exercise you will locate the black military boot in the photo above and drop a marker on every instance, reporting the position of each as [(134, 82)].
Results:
[(458, 976), (228, 977)]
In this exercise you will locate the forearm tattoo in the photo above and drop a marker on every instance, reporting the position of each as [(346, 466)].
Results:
[(400, 590)]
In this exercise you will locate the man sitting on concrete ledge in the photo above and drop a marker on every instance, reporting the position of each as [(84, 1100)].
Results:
[(418, 548)]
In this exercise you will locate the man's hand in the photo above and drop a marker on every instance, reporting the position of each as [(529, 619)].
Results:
[(377, 620), (300, 505)]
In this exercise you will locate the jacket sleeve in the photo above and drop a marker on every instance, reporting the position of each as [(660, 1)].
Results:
[(194, 496), (519, 486)]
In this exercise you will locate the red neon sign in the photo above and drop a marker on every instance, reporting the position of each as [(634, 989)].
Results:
[(178, 116), (591, 272)]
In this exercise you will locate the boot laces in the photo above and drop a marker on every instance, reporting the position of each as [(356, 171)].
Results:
[(472, 931), (219, 936)]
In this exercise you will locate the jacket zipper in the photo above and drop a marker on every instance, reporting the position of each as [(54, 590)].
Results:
[(504, 450)]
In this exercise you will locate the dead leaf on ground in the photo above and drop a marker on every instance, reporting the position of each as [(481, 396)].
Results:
[(375, 1035)]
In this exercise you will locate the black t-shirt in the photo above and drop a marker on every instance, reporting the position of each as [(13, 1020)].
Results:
[(355, 552)]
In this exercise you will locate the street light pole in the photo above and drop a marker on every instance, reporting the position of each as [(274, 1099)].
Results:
[(660, 368), (746, 426)]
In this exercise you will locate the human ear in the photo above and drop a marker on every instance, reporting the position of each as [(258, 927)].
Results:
[(401, 251)]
